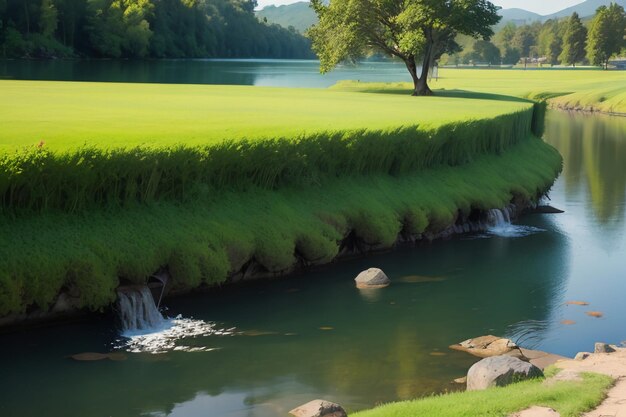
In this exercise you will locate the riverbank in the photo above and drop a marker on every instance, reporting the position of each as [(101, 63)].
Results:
[(583, 90), (105, 184), (569, 398), (593, 383), (221, 235)]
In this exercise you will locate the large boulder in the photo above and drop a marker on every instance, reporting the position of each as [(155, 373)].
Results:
[(499, 371), (372, 278), (319, 408), (487, 346)]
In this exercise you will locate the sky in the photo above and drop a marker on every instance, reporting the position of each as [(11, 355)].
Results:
[(537, 6)]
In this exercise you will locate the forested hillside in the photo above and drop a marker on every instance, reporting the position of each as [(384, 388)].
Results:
[(143, 28)]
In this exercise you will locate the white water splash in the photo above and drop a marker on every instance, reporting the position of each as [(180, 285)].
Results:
[(499, 224), (144, 329), (164, 338)]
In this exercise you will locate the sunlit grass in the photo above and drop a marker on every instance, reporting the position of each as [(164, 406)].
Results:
[(69, 114), (569, 398), (602, 90)]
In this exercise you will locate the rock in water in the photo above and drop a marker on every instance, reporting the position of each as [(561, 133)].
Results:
[(372, 278), (499, 371), (486, 346), (319, 408)]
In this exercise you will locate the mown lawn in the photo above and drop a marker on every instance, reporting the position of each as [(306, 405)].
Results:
[(604, 90), (69, 114), (570, 399)]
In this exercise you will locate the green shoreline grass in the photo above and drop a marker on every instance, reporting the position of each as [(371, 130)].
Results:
[(569, 398), (591, 90), (60, 175), (204, 240)]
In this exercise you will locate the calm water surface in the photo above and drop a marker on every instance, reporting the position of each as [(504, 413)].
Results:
[(315, 335), (270, 72)]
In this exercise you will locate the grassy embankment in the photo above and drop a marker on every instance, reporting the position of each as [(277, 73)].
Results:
[(569, 398), (589, 90), (203, 179)]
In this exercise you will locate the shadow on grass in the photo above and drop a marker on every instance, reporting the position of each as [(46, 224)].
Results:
[(466, 94), (448, 94), (479, 96)]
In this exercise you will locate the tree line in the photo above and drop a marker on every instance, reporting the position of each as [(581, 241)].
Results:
[(568, 41), (143, 28)]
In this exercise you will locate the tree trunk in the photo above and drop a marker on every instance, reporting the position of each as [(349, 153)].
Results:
[(421, 88), (412, 67)]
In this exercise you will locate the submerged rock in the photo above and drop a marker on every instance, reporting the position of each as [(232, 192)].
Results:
[(95, 356), (418, 279), (319, 408), (577, 303), (499, 371), (462, 380), (372, 278), (486, 346)]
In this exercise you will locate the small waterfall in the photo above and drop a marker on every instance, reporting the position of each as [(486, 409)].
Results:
[(138, 312), (500, 218), (144, 329), (499, 223)]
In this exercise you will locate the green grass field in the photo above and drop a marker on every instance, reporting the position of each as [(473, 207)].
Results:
[(570, 399), (585, 89), (134, 177), (206, 239), (66, 115)]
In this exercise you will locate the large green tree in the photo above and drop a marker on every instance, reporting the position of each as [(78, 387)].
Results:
[(416, 31), (550, 41), (486, 52), (606, 34), (574, 41), (525, 38)]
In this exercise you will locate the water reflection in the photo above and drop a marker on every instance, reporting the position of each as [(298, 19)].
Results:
[(276, 73), (324, 340), (594, 149)]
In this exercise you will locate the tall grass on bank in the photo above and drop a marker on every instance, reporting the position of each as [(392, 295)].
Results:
[(35, 179), (205, 240)]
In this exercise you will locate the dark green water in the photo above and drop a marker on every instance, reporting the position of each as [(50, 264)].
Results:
[(315, 335)]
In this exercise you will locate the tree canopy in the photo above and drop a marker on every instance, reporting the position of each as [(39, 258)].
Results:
[(606, 34), (415, 31), (143, 28), (574, 41)]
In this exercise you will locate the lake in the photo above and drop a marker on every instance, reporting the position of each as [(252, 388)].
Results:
[(263, 72), (285, 342)]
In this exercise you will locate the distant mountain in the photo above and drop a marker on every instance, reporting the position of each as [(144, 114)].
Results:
[(299, 15), (584, 9), (518, 16)]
